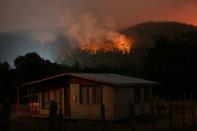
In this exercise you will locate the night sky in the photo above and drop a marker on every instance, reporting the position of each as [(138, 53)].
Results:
[(38, 16)]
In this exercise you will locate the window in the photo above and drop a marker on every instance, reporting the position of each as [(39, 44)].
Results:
[(90, 95), (58, 97), (146, 94), (45, 100), (137, 95), (51, 94)]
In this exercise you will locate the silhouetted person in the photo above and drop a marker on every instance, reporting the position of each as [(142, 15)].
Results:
[(102, 112), (60, 115), (52, 116), (6, 114)]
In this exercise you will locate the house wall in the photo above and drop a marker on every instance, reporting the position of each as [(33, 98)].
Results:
[(82, 111), (121, 103), (108, 101), (45, 110), (116, 101), (142, 107), (62, 100), (139, 107), (123, 97), (147, 105), (90, 111)]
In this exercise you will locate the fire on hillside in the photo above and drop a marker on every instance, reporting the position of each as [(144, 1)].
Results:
[(120, 43)]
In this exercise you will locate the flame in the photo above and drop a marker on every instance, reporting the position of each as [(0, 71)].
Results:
[(119, 43)]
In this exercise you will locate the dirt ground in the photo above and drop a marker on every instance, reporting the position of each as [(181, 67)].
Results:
[(157, 122), (40, 124)]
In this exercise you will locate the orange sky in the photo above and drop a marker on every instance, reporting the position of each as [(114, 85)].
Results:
[(38, 14)]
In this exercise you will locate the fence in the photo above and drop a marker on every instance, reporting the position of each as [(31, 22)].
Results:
[(174, 114)]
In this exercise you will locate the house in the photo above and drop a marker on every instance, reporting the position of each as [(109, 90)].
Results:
[(89, 95)]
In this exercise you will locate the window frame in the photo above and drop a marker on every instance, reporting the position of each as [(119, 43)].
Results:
[(45, 102), (93, 95), (147, 94), (137, 95), (54, 94)]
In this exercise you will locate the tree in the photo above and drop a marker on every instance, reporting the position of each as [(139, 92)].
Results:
[(5, 79), (4, 70), (173, 61), (31, 67)]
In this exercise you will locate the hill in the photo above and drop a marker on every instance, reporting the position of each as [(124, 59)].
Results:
[(143, 34)]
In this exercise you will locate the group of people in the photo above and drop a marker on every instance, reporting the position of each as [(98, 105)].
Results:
[(5, 115)]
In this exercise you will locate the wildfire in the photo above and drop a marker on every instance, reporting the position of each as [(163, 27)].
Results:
[(119, 43)]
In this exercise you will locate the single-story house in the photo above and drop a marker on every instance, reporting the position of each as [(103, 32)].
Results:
[(89, 95)]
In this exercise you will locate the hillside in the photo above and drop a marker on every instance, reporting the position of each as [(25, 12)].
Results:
[(144, 35)]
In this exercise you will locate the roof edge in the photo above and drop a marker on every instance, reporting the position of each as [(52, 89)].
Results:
[(91, 79)]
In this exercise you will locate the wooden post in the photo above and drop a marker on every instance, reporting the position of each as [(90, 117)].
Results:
[(142, 100), (152, 116), (103, 112), (132, 115), (170, 111), (193, 111), (103, 117), (31, 100), (183, 110)]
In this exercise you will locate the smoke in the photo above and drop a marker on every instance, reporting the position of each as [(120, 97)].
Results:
[(87, 28), (43, 36), (38, 14)]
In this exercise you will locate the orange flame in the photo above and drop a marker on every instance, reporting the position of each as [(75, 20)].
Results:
[(120, 43)]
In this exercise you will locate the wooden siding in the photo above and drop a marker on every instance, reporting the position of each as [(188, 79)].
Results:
[(108, 101), (60, 89), (90, 111), (124, 97), (116, 101), (143, 107), (62, 100), (81, 111), (121, 103)]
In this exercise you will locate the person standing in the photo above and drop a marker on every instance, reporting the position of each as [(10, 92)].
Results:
[(6, 114), (52, 116)]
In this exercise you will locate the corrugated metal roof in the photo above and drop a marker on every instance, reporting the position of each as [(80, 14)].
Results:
[(113, 79)]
